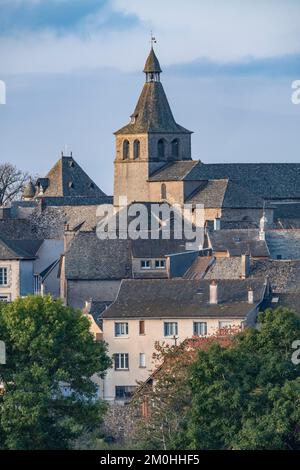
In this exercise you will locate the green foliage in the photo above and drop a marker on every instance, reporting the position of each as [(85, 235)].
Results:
[(243, 394), (247, 397), (47, 345)]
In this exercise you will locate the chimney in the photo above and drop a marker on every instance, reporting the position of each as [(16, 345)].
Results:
[(250, 296), (213, 293), (245, 265), (88, 305), (217, 224), (68, 236)]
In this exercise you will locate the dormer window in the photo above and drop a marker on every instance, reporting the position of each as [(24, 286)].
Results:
[(71, 185), (125, 149), (133, 119), (71, 164)]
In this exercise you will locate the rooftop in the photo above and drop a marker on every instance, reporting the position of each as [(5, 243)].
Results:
[(182, 298)]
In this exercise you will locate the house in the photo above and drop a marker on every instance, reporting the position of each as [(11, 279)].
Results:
[(169, 311), (17, 267), (28, 267), (92, 268)]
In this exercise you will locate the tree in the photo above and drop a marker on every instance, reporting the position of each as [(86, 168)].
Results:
[(48, 345), (168, 398), (12, 182), (247, 397)]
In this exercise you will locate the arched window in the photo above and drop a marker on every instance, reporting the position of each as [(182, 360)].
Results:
[(136, 149), (161, 149), (163, 191), (125, 149), (175, 148)]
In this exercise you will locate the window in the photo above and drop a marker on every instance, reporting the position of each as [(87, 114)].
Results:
[(175, 148), (200, 328), (146, 264), (37, 284), (163, 191), (225, 324), (160, 264), (125, 149), (161, 149), (121, 361), (121, 329), (136, 149), (3, 276), (142, 327), (170, 328), (124, 391), (142, 360)]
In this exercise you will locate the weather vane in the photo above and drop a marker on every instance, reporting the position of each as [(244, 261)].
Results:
[(153, 40)]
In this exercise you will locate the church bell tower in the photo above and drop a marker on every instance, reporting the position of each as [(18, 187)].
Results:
[(151, 140)]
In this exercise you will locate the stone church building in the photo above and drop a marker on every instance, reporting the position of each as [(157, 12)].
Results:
[(153, 163)]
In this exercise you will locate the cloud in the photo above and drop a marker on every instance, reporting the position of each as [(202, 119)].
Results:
[(65, 35)]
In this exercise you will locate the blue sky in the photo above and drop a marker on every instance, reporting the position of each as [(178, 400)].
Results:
[(73, 75)]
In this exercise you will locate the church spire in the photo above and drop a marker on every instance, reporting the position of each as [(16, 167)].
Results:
[(152, 67)]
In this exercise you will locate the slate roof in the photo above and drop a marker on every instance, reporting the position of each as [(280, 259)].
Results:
[(291, 301), (16, 229), (238, 242), (88, 258), (18, 249), (284, 276), (225, 268), (285, 243), (173, 172), (225, 194), (152, 63), (153, 113), (67, 179), (169, 298), (267, 180), (156, 248), (199, 267)]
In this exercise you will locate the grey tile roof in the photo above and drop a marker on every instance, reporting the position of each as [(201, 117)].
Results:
[(238, 242), (225, 268), (173, 171), (17, 229), (152, 63), (168, 298), (291, 301), (152, 113), (156, 248), (18, 249), (267, 180), (88, 257), (284, 276), (67, 179), (285, 243), (225, 194)]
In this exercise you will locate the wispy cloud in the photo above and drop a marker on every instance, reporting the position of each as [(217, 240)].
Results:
[(64, 35)]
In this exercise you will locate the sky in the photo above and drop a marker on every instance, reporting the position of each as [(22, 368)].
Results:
[(73, 74)]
